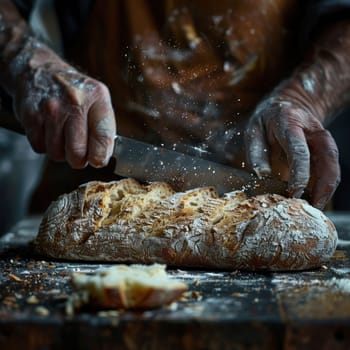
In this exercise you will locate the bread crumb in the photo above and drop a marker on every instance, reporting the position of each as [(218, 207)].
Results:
[(9, 301), (192, 294), (196, 295), (15, 278), (32, 300), (108, 313), (42, 311), (339, 255), (75, 302)]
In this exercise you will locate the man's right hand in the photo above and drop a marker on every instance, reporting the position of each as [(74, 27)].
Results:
[(63, 112), (66, 114)]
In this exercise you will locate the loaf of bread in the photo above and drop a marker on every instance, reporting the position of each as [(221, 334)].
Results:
[(125, 221), (128, 287)]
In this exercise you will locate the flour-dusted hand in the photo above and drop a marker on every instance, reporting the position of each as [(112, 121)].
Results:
[(66, 114), (287, 130), (63, 112), (285, 136)]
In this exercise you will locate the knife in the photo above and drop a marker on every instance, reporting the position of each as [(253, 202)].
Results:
[(149, 163)]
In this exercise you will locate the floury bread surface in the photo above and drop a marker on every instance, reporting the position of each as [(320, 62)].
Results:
[(126, 221)]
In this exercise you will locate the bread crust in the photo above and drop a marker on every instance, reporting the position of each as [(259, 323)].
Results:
[(125, 221)]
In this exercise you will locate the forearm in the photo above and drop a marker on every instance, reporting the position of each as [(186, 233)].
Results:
[(321, 84), (20, 51), (14, 36)]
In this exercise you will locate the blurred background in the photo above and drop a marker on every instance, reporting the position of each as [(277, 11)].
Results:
[(340, 131), (20, 173)]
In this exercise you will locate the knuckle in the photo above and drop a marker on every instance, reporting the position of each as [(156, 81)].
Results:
[(301, 151), (101, 90), (301, 179), (104, 141), (101, 151), (299, 176), (76, 111), (51, 106), (76, 156), (104, 130), (77, 151), (333, 154), (298, 148)]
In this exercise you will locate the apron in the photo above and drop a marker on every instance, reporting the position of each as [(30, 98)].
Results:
[(179, 71)]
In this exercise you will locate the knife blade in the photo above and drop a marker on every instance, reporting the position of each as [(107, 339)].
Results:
[(149, 163)]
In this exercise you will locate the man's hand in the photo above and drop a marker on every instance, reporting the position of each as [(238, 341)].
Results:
[(288, 127), (66, 114), (63, 112), (287, 139)]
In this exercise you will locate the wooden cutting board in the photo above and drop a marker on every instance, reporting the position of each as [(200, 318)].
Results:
[(222, 310)]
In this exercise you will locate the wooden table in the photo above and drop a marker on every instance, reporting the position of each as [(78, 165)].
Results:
[(222, 310)]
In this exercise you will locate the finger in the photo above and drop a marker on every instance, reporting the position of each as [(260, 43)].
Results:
[(76, 135), (257, 148), (54, 124), (325, 155), (296, 148), (102, 130)]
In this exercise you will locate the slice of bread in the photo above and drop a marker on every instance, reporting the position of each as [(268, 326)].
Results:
[(129, 287)]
